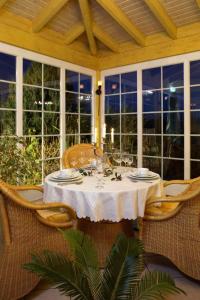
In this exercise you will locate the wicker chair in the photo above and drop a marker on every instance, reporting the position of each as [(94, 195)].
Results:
[(73, 155), (26, 229), (171, 227)]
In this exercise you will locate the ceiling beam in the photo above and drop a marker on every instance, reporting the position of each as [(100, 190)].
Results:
[(47, 14), (73, 33), (2, 2), (106, 39), (120, 17), (87, 20), (198, 3), (161, 15)]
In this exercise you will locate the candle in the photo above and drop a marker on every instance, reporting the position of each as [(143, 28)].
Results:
[(95, 135), (104, 131), (99, 83), (112, 135)]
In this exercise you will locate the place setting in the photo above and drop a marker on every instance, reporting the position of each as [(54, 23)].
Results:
[(66, 176), (143, 174)]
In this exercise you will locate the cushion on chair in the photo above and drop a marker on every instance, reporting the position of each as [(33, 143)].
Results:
[(54, 215), (163, 209)]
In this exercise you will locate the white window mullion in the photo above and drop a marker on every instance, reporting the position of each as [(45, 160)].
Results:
[(139, 117), (62, 112), (19, 96), (186, 119)]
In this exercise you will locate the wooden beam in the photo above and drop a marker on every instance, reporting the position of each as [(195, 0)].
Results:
[(2, 2), (74, 33), (105, 38), (87, 20), (47, 14), (161, 15), (120, 17), (198, 3)]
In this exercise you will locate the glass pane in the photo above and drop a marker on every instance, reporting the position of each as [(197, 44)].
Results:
[(51, 166), (173, 75), (7, 122), (32, 72), (35, 177), (71, 81), (71, 140), (173, 169), (151, 101), (129, 82), (51, 77), (152, 145), (129, 103), (129, 143), (129, 123), (173, 99), (195, 169), (34, 146), (51, 123), (153, 164), (112, 104), (51, 146), (173, 123), (32, 123), (85, 139), (7, 95), (173, 146), (151, 79), (116, 145), (85, 104), (195, 122), (195, 97), (32, 98), (51, 100), (85, 124), (7, 67), (195, 72), (112, 84), (71, 104), (152, 123), (195, 147), (85, 84), (71, 124), (112, 122)]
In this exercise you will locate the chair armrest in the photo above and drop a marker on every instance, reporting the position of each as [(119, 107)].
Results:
[(27, 188), (182, 181)]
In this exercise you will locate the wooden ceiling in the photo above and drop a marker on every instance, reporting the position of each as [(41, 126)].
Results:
[(103, 28)]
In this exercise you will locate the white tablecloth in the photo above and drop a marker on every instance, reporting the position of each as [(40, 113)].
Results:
[(115, 201)]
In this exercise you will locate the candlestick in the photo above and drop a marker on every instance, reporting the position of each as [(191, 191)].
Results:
[(112, 135)]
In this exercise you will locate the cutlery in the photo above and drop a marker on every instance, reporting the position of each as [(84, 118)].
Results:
[(67, 183)]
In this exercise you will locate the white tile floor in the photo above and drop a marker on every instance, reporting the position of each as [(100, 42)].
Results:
[(153, 262)]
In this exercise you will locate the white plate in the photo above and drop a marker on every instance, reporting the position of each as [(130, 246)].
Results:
[(57, 175), (151, 175), (66, 180)]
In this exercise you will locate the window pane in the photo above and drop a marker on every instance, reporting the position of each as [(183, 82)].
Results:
[(153, 164), (51, 123), (32, 98), (71, 81), (7, 122), (87, 139), (51, 77), (195, 72), (7, 95), (112, 84), (152, 145), (34, 146), (173, 99), (7, 67), (71, 140), (71, 104), (51, 100), (173, 123), (173, 75), (129, 123), (51, 146), (32, 72), (85, 84), (195, 169), (129, 143), (116, 145), (71, 123), (151, 79), (32, 123), (151, 101), (129, 103), (129, 82), (85, 124), (112, 121), (112, 104), (152, 123), (195, 122), (173, 169), (173, 146), (85, 104), (51, 166), (195, 97), (195, 147)]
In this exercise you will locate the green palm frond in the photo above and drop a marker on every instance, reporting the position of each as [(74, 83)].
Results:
[(155, 285), (123, 269), (59, 270)]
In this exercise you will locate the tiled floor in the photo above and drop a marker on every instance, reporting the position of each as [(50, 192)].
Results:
[(153, 262)]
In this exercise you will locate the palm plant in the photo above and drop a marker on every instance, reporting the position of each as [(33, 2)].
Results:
[(80, 277)]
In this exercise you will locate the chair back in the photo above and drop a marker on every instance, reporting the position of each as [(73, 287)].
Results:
[(80, 155)]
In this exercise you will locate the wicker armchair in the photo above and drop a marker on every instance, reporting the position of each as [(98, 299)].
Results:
[(26, 229), (72, 156), (171, 227)]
